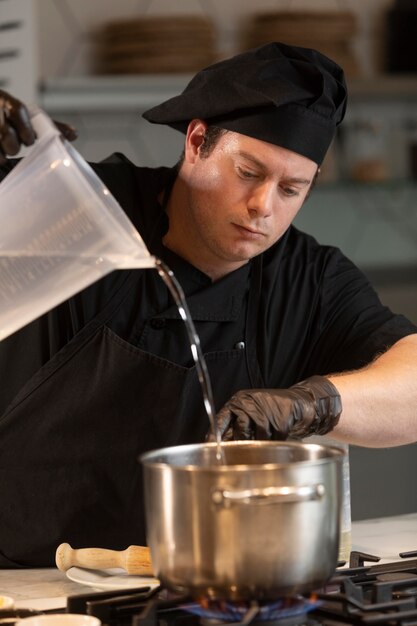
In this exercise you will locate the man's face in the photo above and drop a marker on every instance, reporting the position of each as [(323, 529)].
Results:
[(237, 201)]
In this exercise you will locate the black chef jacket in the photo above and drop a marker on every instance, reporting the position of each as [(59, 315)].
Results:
[(314, 313), (317, 312)]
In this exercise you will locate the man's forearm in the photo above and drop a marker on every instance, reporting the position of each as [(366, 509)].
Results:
[(380, 401)]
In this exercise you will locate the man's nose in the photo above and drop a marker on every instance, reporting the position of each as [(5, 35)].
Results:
[(262, 200)]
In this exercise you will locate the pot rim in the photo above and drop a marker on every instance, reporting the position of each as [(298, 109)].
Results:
[(336, 454)]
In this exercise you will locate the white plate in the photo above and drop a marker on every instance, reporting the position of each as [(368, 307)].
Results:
[(114, 578)]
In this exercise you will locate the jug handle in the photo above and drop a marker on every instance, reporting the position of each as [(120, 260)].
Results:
[(42, 123)]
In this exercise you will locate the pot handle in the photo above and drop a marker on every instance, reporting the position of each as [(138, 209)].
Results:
[(268, 495)]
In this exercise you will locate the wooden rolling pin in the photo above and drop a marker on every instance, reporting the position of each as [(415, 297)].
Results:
[(135, 559)]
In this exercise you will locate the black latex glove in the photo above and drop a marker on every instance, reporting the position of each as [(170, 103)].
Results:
[(310, 407), (15, 127)]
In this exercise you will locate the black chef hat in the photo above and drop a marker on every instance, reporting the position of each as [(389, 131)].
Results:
[(286, 95)]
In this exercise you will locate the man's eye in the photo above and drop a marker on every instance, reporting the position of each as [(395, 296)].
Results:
[(289, 191), (246, 173)]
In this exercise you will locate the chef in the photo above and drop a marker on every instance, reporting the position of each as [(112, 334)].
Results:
[(295, 338)]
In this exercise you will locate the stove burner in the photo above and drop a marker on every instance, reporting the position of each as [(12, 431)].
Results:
[(285, 612)]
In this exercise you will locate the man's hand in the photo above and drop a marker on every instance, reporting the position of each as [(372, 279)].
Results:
[(313, 406), (16, 129)]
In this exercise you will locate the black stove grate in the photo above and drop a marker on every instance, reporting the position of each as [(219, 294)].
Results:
[(362, 594)]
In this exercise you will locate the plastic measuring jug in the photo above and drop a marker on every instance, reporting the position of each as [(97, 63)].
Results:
[(60, 230)]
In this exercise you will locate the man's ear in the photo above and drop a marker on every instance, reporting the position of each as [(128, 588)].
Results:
[(194, 139)]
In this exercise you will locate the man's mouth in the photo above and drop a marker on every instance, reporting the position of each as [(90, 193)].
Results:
[(250, 232)]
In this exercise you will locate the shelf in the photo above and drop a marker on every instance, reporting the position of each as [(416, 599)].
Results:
[(110, 93), (127, 92), (385, 86)]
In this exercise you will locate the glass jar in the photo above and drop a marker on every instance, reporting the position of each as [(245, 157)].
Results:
[(345, 545), (366, 151)]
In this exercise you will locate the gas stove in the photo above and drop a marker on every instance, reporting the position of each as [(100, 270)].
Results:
[(362, 594)]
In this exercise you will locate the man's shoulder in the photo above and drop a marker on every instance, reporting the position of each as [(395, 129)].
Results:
[(299, 247), (135, 188), (299, 257)]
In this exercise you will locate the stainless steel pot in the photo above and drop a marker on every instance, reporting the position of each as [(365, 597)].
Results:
[(262, 525)]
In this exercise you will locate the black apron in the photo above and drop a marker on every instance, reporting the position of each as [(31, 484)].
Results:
[(70, 441)]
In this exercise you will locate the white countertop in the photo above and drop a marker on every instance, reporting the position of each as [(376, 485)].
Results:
[(48, 588), (386, 537)]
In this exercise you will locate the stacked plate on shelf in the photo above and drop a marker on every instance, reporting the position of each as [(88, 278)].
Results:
[(156, 45), (330, 32)]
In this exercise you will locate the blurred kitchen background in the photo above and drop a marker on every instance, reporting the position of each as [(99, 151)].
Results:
[(98, 64)]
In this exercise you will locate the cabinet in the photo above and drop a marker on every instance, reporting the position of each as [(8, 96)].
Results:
[(367, 198), (375, 224), (380, 127)]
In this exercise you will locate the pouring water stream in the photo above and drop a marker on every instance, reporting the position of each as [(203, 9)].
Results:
[(203, 376)]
